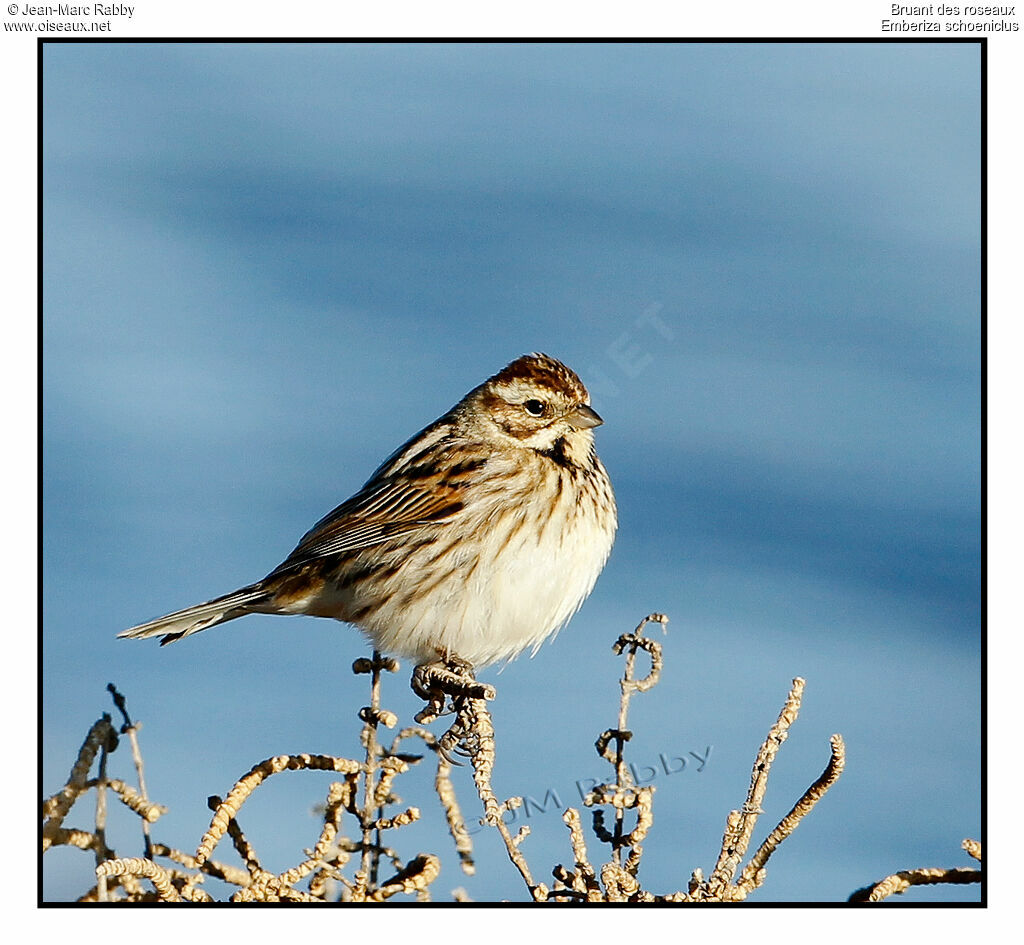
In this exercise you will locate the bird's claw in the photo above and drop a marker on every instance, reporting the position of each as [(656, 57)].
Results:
[(444, 684)]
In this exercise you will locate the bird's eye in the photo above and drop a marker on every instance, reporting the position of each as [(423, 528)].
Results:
[(534, 408)]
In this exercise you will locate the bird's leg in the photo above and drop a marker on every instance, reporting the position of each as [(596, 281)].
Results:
[(448, 678)]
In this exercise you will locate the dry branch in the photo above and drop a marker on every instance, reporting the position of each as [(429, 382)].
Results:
[(900, 882), (366, 794)]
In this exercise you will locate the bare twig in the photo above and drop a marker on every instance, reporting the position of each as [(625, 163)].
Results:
[(472, 732), (132, 731), (366, 791), (137, 866), (629, 642), (101, 823), (56, 808), (740, 823), (229, 807), (900, 882), (222, 871), (372, 717), (753, 872), (446, 795)]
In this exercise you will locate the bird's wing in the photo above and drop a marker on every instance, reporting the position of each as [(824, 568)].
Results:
[(379, 512)]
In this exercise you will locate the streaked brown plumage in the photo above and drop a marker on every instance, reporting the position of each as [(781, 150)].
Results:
[(477, 538)]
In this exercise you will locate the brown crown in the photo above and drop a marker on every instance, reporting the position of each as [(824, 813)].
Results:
[(544, 371)]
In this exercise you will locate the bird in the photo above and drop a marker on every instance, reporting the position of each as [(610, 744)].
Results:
[(478, 538)]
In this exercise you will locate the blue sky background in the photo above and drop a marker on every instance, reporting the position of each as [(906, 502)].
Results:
[(265, 266)]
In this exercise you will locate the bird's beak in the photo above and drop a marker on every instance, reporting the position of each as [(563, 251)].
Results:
[(583, 417)]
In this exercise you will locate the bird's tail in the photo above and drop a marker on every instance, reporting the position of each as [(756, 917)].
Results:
[(183, 623)]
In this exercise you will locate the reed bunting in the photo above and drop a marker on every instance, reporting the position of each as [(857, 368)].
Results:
[(478, 538)]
